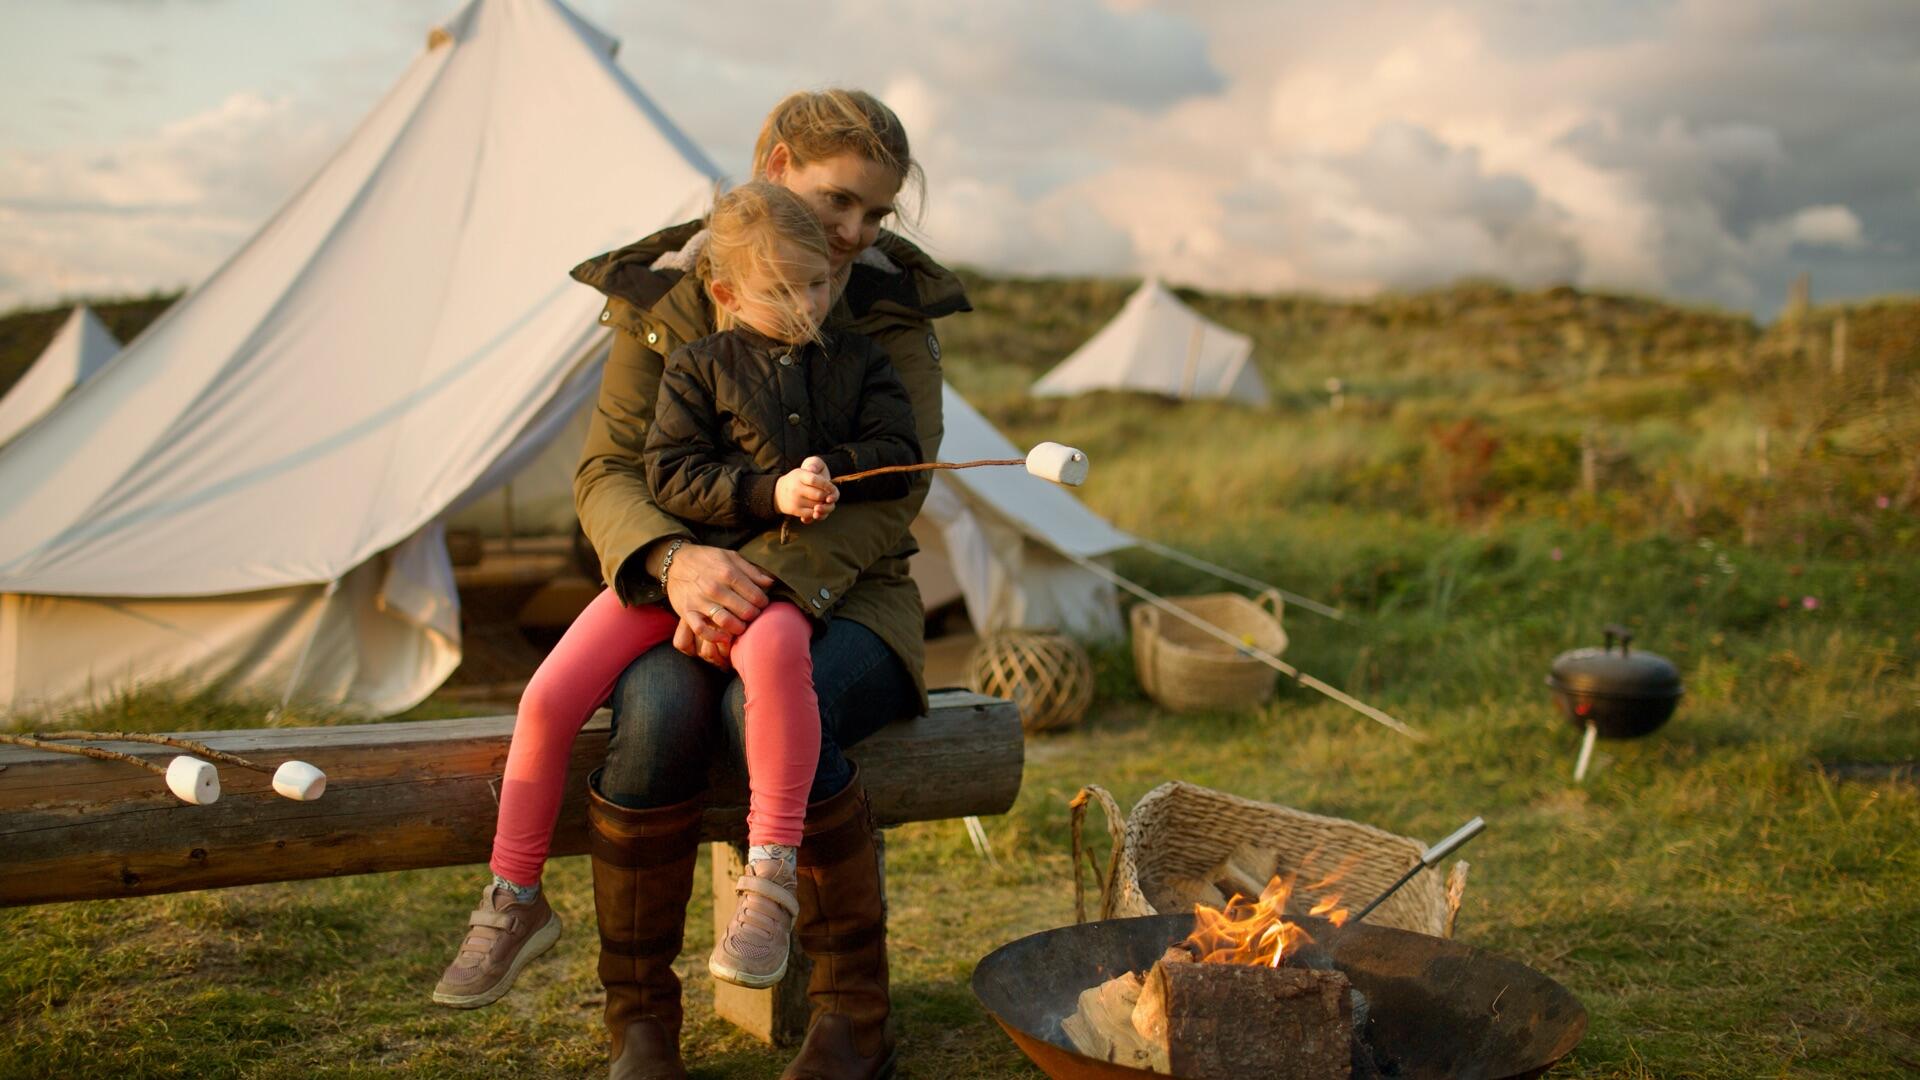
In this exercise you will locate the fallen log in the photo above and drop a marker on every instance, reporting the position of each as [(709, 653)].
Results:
[(407, 796)]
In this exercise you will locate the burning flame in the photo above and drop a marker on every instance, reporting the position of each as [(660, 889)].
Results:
[(1256, 931)]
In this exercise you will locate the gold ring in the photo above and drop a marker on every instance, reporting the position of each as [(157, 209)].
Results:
[(713, 611)]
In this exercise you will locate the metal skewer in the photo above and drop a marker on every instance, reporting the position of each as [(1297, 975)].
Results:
[(1428, 859)]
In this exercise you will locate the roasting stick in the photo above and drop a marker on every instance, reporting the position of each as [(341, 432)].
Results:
[(199, 748), (1428, 859), (190, 779), (1242, 580), (1261, 655), (1047, 460), (926, 466), (295, 780)]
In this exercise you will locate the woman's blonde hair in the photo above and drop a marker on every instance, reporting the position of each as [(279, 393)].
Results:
[(752, 233), (818, 124)]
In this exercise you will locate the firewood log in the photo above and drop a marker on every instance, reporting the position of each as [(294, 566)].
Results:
[(1246, 870), (1102, 1024), (1235, 1021), (1180, 894)]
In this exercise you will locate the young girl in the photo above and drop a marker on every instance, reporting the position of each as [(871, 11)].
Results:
[(751, 425)]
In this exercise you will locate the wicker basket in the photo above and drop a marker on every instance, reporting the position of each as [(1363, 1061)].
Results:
[(1047, 676), (1181, 830), (1184, 669)]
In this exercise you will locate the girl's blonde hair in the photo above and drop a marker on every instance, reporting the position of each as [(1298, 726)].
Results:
[(819, 124), (751, 234)]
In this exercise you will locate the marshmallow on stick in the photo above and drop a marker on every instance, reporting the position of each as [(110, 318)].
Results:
[(296, 780), (1048, 461), (193, 780), (299, 781)]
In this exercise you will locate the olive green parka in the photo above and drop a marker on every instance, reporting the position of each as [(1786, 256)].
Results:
[(853, 565)]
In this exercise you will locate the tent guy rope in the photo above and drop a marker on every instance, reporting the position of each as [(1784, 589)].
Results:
[(1261, 655), (1240, 579)]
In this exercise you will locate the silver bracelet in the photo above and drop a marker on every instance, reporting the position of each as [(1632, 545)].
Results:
[(666, 563)]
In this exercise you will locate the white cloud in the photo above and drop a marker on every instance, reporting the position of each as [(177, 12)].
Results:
[(1708, 149), (160, 211), (1829, 226)]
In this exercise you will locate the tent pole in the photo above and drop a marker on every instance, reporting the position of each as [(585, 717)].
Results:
[(1193, 362), (1261, 655), (1225, 574)]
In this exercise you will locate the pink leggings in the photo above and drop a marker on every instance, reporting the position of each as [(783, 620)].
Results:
[(774, 659)]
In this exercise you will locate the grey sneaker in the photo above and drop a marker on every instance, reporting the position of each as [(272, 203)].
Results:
[(753, 951), (502, 936)]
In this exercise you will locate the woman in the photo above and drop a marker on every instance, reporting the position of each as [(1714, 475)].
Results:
[(846, 156)]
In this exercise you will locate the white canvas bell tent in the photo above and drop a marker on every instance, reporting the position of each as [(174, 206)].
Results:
[(80, 348), (994, 537), (248, 496), (1158, 345)]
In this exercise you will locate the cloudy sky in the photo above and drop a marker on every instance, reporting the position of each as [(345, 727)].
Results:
[(1702, 149)]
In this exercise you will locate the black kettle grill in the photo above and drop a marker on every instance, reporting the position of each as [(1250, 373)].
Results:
[(1620, 694)]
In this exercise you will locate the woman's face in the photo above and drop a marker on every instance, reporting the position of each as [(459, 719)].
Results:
[(851, 195)]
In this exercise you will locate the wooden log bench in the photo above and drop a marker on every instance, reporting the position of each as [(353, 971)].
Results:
[(406, 796)]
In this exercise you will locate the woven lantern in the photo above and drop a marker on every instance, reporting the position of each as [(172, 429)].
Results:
[(1047, 676)]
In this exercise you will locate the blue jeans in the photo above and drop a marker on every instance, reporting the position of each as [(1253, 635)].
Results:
[(674, 714)]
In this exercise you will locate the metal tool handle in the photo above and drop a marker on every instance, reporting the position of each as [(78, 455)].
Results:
[(1428, 859), (1444, 848)]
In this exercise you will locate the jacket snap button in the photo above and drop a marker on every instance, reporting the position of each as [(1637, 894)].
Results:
[(786, 359), (816, 603), (606, 315), (793, 418), (653, 338), (824, 594)]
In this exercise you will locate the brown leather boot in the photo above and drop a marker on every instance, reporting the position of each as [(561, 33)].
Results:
[(642, 878), (843, 930)]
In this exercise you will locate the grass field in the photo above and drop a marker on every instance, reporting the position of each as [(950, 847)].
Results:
[(1720, 904)]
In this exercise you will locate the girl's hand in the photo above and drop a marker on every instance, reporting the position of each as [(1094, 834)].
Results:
[(806, 493)]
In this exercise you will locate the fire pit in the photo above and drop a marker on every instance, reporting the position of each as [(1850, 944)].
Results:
[(1436, 1008)]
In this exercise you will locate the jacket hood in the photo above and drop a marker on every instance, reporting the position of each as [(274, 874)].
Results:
[(894, 273)]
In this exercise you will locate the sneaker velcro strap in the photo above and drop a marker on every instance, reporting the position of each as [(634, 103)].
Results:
[(494, 919), (668, 944), (835, 845), (655, 852), (851, 941), (771, 890)]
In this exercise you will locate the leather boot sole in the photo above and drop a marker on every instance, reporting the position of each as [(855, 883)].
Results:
[(540, 941), (884, 1072)]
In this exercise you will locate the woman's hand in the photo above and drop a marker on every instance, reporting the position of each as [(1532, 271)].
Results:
[(716, 593), (807, 492)]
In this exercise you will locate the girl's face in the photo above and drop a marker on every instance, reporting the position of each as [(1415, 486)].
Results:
[(799, 281), (850, 194)]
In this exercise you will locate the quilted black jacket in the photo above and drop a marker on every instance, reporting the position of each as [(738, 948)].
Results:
[(738, 410)]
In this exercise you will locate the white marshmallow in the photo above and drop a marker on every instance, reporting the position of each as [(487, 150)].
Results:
[(299, 781), (193, 780), (1060, 464)]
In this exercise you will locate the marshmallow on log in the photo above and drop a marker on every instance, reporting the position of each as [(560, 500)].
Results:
[(299, 781), (1058, 463), (193, 780)]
